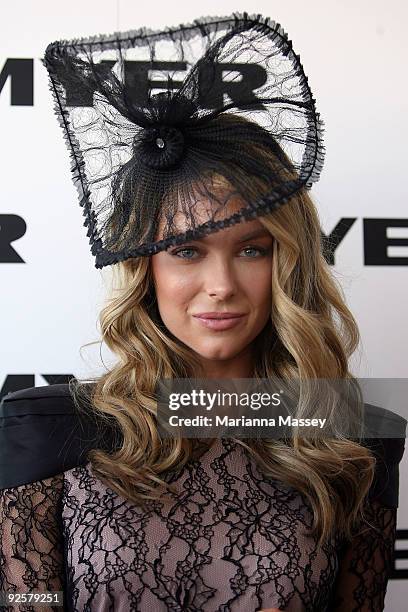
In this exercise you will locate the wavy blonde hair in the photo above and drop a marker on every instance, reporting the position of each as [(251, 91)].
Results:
[(311, 334)]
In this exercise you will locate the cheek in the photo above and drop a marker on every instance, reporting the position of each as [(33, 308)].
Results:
[(174, 292), (259, 288), (170, 283), (174, 289)]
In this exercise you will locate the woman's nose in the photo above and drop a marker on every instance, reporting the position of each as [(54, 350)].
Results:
[(220, 279)]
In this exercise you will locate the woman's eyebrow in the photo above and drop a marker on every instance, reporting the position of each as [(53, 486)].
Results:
[(259, 233), (255, 234)]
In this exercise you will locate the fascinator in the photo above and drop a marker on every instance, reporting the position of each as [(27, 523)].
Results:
[(164, 124)]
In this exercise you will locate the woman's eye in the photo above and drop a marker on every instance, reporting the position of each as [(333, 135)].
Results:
[(259, 249), (188, 250)]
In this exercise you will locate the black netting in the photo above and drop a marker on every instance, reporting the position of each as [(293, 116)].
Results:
[(168, 130)]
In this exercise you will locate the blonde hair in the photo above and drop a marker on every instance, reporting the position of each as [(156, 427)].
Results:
[(311, 335)]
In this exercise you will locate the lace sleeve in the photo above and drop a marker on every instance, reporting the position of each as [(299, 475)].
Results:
[(366, 563), (31, 539)]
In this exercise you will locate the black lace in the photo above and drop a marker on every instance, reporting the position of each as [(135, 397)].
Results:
[(31, 550), (366, 563), (137, 154), (230, 540)]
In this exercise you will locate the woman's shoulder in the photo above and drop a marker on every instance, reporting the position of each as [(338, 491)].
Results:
[(385, 433), (43, 433), (383, 423)]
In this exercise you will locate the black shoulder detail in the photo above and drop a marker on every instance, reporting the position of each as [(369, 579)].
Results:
[(388, 447), (382, 423), (42, 433), (44, 391), (37, 400)]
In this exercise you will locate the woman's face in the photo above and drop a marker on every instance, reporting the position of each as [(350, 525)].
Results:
[(226, 272)]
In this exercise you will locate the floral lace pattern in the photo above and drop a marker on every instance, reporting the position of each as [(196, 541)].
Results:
[(31, 546), (229, 540)]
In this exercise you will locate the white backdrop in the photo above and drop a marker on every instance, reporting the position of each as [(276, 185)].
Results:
[(354, 54)]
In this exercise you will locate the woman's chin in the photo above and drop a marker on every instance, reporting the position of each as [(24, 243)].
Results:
[(216, 353)]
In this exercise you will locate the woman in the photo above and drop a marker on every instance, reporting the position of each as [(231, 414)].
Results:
[(151, 523)]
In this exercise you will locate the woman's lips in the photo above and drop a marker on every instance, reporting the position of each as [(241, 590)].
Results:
[(220, 324)]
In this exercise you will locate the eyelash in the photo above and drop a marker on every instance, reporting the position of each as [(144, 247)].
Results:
[(262, 251)]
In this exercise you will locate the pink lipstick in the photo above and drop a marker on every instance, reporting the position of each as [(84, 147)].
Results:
[(219, 320)]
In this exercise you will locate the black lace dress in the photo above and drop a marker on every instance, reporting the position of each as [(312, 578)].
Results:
[(228, 540)]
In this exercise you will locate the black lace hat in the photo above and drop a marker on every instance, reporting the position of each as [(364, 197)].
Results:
[(159, 122)]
